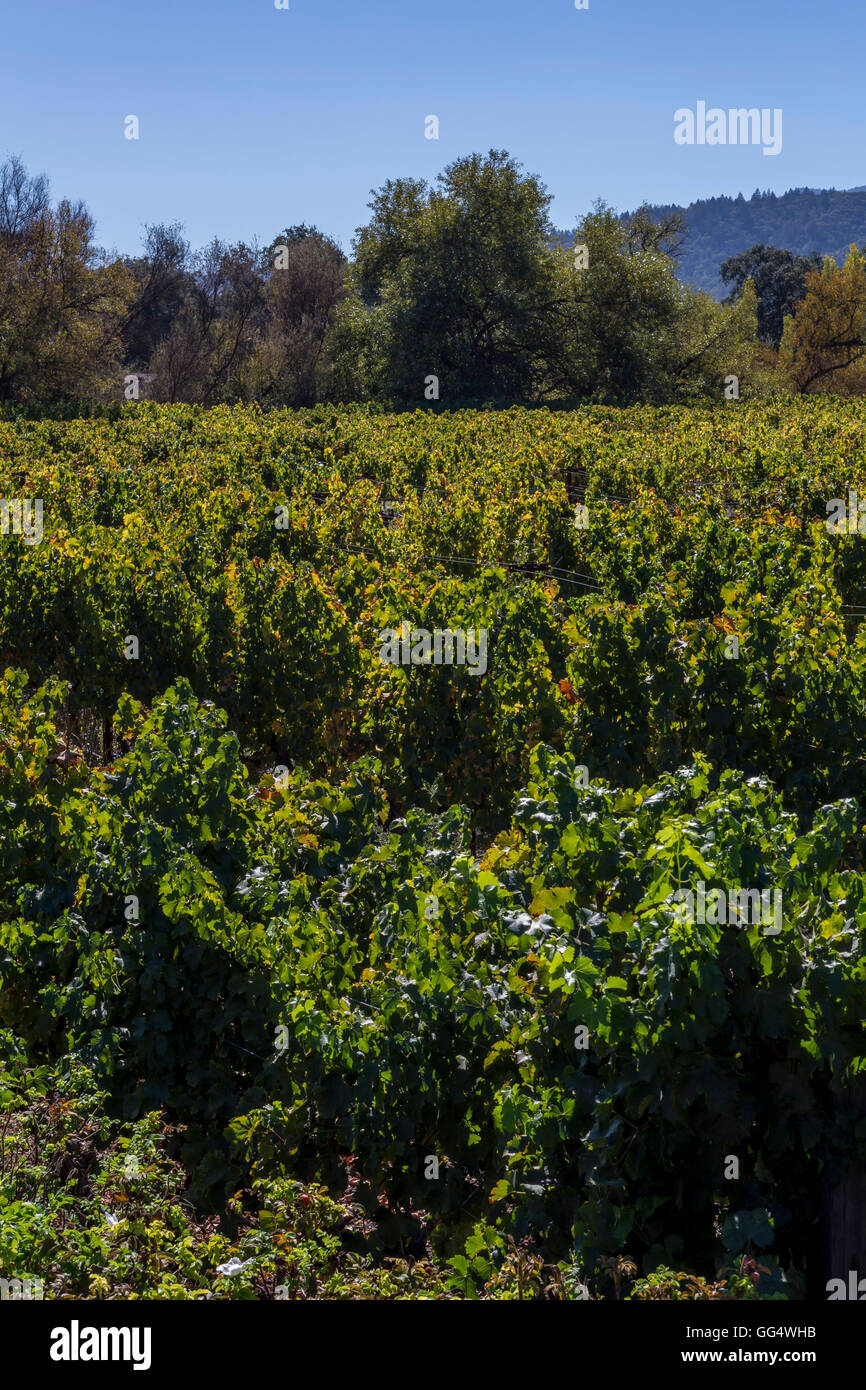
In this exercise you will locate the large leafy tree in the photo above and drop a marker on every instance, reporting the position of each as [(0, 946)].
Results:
[(62, 301), (779, 278), (163, 281), (632, 330), (216, 329), (306, 276), (624, 306), (824, 341), (463, 277)]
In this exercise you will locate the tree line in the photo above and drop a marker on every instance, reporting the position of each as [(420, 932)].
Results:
[(456, 292)]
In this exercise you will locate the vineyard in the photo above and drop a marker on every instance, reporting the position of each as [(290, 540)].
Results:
[(326, 977)]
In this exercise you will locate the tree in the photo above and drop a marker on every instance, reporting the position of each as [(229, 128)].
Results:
[(216, 329), (163, 280), (624, 303), (715, 341), (23, 200), (633, 331), (779, 278), (62, 302), (463, 277), (306, 281), (823, 341)]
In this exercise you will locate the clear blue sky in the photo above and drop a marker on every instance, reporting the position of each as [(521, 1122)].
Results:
[(253, 118)]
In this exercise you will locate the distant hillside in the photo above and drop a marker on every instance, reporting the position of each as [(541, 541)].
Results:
[(802, 220)]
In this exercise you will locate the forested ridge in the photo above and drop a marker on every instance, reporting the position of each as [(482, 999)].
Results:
[(803, 220)]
